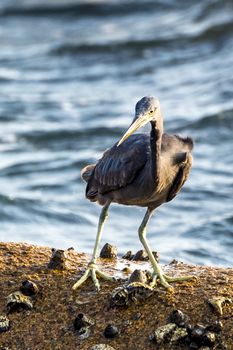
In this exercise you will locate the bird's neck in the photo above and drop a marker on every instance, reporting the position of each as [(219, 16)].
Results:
[(155, 145)]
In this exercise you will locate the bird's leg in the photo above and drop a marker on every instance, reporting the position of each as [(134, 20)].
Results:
[(142, 236), (92, 270), (157, 271)]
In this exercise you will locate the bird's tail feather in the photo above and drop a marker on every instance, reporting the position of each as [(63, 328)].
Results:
[(86, 172)]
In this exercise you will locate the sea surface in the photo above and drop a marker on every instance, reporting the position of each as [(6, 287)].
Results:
[(70, 75)]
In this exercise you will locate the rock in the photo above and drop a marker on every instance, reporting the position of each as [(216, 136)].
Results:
[(138, 276), (200, 335), (156, 256), (119, 297), (178, 335), (135, 292), (83, 324), (193, 346), (197, 334), (162, 334), (29, 288), (215, 327), (17, 301), (111, 331), (136, 316), (128, 255), (4, 323), (209, 338), (10, 284), (101, 347), (108, 251), (178, 317), (84, 333), (217, 303), (141, 255), (51, 324), (58, 259), (127, 270), (174, 262), (70, 249), (83, 321)]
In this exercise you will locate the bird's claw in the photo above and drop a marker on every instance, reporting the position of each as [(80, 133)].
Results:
[(165, 280), (93, 272)]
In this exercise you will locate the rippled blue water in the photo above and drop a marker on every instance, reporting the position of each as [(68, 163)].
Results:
[(70, 74)]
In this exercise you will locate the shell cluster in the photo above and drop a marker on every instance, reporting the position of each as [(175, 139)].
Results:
[(83, 325), (179, 331), (134, 292), (20, 300), (24, 298)]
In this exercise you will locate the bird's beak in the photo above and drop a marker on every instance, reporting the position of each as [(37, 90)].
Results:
[(137, 124)]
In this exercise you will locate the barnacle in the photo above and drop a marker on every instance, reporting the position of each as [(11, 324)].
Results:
[(29, 288), (134, 292), (218, 302), (4, 323), (83, 324), (111, 331), (17, 301)]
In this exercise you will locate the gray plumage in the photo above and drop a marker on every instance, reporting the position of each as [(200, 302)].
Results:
[(123, 174)]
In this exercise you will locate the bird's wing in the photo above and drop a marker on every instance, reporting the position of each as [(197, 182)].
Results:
[(119, 165), (185, 163), (173, 144), (86, 172), (178, 149)]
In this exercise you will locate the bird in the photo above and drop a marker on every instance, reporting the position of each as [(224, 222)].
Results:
[(142, 169)]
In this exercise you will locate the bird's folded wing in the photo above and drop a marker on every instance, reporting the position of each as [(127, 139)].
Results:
[(120, 165), (181, 176)]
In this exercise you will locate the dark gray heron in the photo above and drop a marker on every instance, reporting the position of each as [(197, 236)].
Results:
[(141, 169)]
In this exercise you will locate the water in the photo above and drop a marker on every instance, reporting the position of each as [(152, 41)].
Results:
[(70, 75)]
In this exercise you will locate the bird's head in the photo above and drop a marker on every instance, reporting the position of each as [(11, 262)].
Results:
[(146, 110)]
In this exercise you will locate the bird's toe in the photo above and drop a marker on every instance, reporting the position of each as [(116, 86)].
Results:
[(93, 272)]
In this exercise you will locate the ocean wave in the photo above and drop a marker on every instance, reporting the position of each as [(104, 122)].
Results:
[(85, 9), (221, 120), (215, 32), (45, 137), (175, 40), (25, 209), (109, 47), (47, 167)]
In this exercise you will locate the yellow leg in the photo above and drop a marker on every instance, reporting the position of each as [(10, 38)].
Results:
[(157, 271), (92, 269)]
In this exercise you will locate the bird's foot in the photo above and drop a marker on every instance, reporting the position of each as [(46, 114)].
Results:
[(165, 280), (93, 272)]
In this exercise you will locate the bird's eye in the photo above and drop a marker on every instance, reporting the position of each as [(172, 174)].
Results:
[(151, 112)]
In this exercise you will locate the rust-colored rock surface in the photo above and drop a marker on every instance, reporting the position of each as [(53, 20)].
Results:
[(50, 323)]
